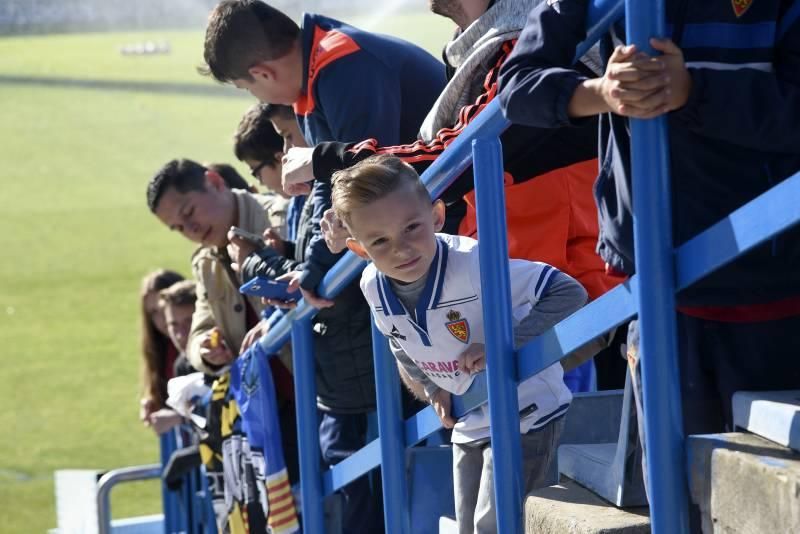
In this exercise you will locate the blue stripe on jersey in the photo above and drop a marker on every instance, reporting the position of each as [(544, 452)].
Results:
[(789, 18), (437, 294), (555, 414), (431, 284), (423, 334), (392, 303), (542, 277), (380, 296), (723, 35)]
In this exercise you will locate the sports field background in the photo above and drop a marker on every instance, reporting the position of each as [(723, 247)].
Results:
[(82, 128)]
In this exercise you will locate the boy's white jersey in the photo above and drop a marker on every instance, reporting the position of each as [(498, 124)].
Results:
[(449, 317)]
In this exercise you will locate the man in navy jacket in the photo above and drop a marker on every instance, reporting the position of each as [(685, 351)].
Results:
[(728, 78)]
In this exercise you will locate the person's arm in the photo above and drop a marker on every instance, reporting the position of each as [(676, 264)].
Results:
[(756, 109), (538, 81), (203, 325), (415, 380), (561, 297), (318, 258), (266, 263)]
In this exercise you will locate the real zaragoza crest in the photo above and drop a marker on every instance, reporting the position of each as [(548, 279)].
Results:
[(457, 326), (740, 6)]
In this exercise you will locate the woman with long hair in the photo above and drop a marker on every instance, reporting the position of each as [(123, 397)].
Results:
[(158, 352)]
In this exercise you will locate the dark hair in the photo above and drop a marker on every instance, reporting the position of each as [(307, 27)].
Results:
[(231, 177), (154, 344), (279, 111), (183, 175), (183, 293), (241, 33), (256, 138)]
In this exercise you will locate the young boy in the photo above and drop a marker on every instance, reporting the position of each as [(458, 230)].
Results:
[(178, 301), (425, 293), (265, 132), (258, 145)]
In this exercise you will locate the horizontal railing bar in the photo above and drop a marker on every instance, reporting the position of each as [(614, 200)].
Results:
[(596, 318), (359, 463), (490, 122), (760, 219)]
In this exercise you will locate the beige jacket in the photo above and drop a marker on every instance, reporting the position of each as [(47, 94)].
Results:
[(219, 302)]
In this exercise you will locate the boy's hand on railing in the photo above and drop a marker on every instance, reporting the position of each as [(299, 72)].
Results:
[(473, 359), (442, 402), (334, 232), (297, 171)]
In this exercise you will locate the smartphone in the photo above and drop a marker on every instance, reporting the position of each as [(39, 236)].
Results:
[(266, 287), (250, 237)]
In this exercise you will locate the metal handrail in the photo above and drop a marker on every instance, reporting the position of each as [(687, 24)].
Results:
[(661, 269), (111, 479), (489, 123)]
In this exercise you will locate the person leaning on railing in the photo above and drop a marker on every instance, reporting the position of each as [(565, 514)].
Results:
[(732, 108), (551, 216), (425, 292), (158, 352)]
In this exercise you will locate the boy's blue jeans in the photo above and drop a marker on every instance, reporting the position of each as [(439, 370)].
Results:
[(473, 476)]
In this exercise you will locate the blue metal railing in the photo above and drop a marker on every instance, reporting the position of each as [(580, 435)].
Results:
[(652, 232), (660, 269)]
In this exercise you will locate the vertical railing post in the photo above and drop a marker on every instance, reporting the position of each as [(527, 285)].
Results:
[(307, 426), (174, 519), (500, 362), (656, 297), (390, 426)]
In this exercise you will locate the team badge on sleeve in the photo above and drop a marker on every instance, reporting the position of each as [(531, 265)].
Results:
[(457, 326), (740, 6)]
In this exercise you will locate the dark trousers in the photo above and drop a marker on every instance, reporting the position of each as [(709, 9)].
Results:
[(340, 435), (716, 360)]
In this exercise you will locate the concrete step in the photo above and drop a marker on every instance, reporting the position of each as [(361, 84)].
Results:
[(774, 415), (447, 525), (569, 508), (611, 467), (744, 484)]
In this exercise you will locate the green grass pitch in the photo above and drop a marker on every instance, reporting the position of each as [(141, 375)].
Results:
[(82, 128)]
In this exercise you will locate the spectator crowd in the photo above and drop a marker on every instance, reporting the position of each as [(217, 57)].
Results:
[(346, 121)]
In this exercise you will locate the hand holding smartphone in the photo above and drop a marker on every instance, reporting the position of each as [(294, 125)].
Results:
[(268, 288)]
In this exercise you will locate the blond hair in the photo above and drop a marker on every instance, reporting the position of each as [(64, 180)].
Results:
[(371, 180), (183, 293)]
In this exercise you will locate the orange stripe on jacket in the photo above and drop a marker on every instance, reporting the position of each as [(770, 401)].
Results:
[(327, 47)]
